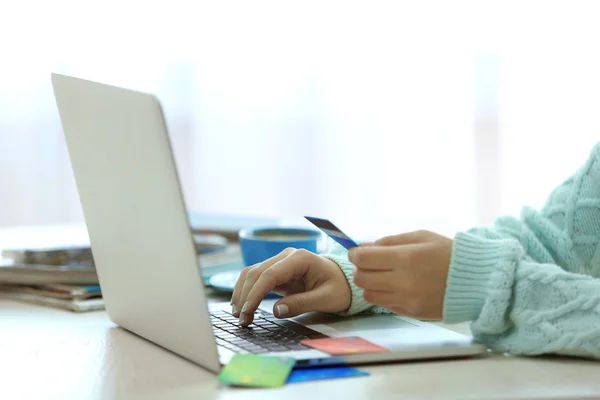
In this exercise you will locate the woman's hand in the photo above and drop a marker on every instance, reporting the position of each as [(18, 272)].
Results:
[(307, 281), (405, 273)]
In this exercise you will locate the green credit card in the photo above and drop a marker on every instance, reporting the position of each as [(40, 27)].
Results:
[(256, 371)]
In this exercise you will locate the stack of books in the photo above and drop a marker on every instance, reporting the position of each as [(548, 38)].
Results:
[(69, 297), (49, 266)]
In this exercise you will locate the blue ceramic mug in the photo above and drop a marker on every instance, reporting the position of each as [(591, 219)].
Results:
[(260, 244)]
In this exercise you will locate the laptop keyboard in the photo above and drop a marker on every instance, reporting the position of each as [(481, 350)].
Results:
[(266, 334)]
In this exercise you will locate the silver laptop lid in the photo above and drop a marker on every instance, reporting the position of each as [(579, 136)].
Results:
[(135, 215)]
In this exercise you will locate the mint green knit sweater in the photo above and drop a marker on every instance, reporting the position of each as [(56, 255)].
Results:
[(529, 285)]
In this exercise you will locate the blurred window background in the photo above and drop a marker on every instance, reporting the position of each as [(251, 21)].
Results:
[(382, 116)]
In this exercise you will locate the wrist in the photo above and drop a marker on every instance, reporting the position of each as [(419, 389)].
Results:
[(357, 302), (474, 263)]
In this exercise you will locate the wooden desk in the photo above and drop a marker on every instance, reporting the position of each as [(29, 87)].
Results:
[(52, 354)]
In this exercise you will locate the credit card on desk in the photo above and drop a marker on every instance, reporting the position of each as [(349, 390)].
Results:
[(321, 373), (256, 371), (333, 232)]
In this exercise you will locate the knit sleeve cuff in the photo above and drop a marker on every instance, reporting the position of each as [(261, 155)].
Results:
[(358, 303), (475, 263)]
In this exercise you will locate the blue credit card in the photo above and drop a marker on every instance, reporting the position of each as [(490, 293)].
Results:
[(317, 374), (333, 232)]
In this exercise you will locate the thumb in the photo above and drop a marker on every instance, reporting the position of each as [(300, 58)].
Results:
[(300, 303), (367, 244), (403, 239)]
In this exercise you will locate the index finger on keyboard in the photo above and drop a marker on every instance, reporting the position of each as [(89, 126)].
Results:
[(292, 267)]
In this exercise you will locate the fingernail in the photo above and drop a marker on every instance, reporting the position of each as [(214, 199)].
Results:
[(241, 320), (282, 310), (233, 309), (245, 307)]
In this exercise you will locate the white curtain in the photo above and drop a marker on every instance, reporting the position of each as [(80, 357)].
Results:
[(549, 98), (382, 116)]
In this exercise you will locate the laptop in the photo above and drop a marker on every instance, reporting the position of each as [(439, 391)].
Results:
[(143, 247)]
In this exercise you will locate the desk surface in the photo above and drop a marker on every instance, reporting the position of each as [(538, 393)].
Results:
[(54, 354)]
